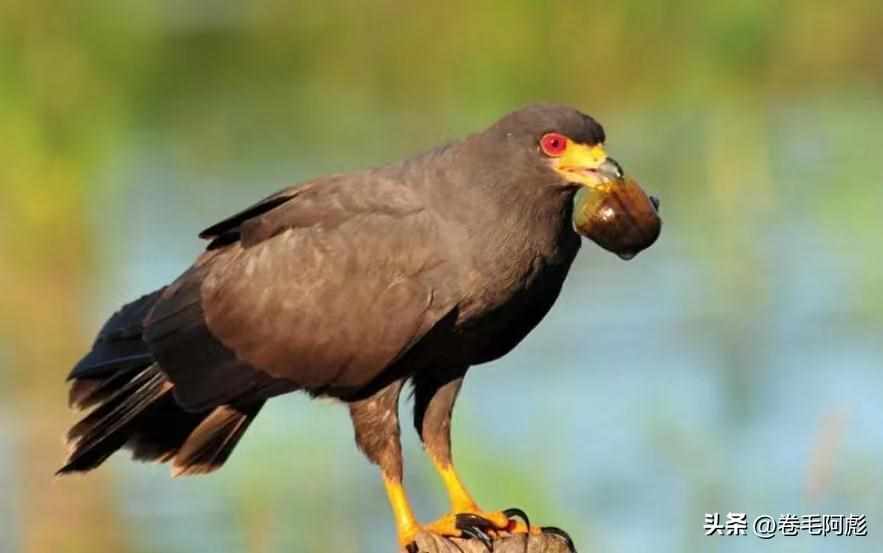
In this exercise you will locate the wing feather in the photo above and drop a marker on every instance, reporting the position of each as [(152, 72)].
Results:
[(323, 292)]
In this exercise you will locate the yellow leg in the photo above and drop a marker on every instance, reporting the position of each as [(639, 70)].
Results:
[(406, 525), (462, 502)]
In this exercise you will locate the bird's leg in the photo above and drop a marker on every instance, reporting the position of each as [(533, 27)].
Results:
[(376, 423), (407, 527), (434, 403)]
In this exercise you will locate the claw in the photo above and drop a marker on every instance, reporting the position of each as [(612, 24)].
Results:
[(480, 535), (515, 512), (465, 521), (555, 531)]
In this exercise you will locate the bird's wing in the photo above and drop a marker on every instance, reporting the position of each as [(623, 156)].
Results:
[(321, 291), (228, 230)]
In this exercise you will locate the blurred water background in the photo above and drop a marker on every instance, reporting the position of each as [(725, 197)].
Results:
[(735, 366)]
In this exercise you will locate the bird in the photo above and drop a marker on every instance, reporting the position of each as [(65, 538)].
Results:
[(353, 286)]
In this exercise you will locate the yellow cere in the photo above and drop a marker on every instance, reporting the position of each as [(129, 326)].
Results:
[(579, 163)]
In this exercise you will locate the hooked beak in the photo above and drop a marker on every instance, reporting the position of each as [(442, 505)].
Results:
[(587, 165), (611, 168)]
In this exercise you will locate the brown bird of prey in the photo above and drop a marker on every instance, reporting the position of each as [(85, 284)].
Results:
[(350, 285)]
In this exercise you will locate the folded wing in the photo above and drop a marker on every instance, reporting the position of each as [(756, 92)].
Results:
[(319, 288)]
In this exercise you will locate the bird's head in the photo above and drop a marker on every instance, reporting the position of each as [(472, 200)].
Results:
[(567, 148)]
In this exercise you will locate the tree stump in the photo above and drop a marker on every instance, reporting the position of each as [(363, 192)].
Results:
[(512, 543)]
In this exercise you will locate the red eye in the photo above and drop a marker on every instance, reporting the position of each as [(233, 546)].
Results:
[(553, 144)]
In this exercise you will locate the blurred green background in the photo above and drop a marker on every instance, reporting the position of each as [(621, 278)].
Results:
[(735, 366)]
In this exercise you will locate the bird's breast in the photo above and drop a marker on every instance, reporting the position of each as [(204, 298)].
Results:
[(510, 296)]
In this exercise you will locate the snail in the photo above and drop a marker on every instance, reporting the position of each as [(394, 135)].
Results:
[(618, 216)]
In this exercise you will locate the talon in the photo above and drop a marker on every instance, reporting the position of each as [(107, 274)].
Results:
[(515, 512), (555, 531), (471, 520), (480, 535)]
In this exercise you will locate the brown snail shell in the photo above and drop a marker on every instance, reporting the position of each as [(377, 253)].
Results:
[(618, 216)]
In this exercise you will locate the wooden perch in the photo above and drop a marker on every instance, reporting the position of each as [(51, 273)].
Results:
[(545, 543)]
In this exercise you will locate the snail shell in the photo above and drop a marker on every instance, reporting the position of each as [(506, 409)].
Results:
[(619, 217)]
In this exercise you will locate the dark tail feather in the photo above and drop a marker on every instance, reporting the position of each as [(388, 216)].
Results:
[(90, 392), (211, 443), (109, 426), (133, 406), (119, 345), (162, 430), (143, 416)]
